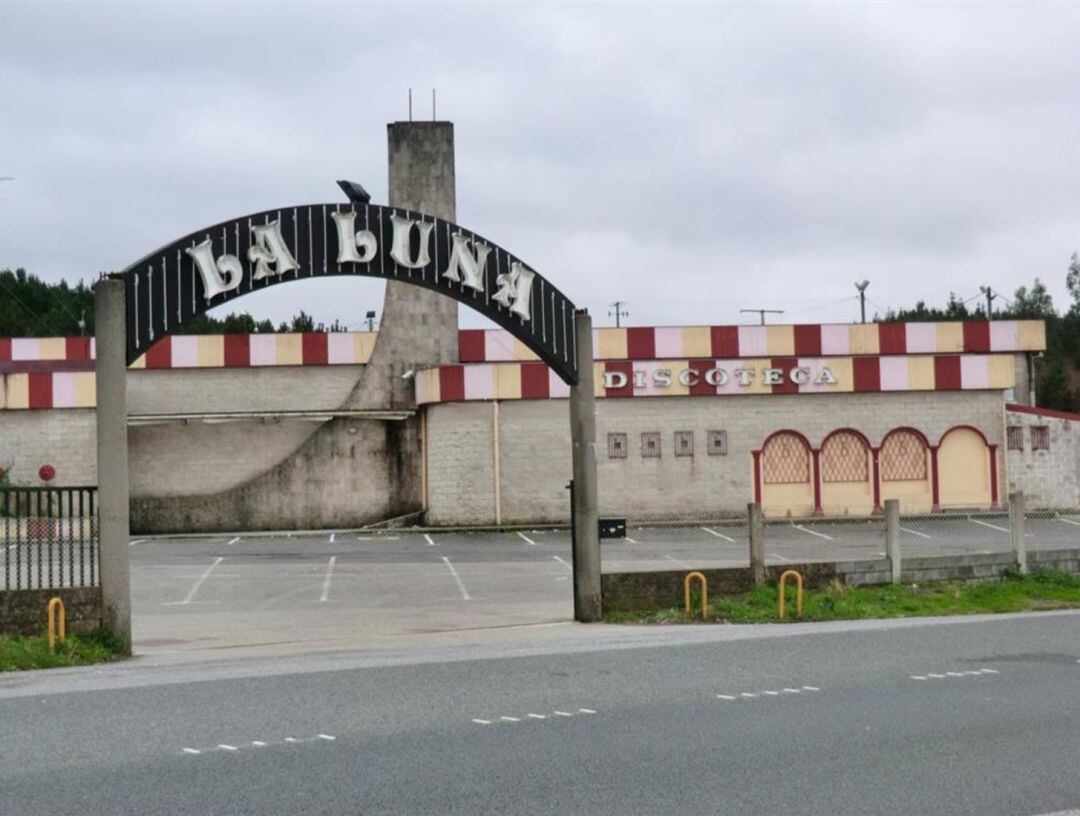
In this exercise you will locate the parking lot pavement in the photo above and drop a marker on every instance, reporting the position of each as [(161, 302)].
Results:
[(339, 590)]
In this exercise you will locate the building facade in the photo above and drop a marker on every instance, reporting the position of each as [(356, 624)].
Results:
[(230, 432)]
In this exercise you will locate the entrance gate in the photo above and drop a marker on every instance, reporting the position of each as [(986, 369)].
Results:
[(157, 295)]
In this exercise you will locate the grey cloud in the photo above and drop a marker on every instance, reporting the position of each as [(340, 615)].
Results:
[(688, 158)]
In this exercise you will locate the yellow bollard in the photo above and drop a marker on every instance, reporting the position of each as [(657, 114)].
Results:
[(798, 592), (54, 604), (690, 576)]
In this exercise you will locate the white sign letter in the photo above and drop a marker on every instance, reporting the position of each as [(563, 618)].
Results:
[(348, 240), (614, 379), (224, 275), (800, 375), (745, 375), (825, 377), (662, 377), (772, 376), (688, 377), (269, 250), (716, 376), (470, 265), (399, 250), (515, 289)]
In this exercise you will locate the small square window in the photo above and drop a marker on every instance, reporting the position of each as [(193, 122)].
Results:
[(684, 443), (1014, 437), (650, 445), (717, 443), (616, 446), (1040, 437)]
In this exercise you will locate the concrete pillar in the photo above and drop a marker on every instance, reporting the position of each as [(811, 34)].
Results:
[(586, 515), (757, 543), (892, 537), (1016, 522), (112, 457)]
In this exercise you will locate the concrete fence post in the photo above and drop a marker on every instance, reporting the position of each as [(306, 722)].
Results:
[(586, 514), (110, 369), (1016, 522), (757, 543), (892, 537)]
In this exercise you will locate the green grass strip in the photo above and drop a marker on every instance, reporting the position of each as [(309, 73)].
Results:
[(1012, 593), (22, 653)]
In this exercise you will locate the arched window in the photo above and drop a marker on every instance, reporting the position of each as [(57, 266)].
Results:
[(844, 458), (903, 457), (785, 460)]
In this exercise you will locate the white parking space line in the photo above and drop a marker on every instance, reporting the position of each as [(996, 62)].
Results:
[(1068, 521), (430, 541), (332, 537), (632, 541), (137, 541), (526, 539), (718, 535), (782, 559), (457, 578), (326, 580), (561, 561), (988, 524), (813, 532), (198, 583), (676, 561), (914, 532)]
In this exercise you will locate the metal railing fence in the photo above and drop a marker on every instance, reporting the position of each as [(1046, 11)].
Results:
[(49, 537)]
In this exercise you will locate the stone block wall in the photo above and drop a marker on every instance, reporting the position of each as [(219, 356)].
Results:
[(24, 611), (1048, 478), (534, 442)]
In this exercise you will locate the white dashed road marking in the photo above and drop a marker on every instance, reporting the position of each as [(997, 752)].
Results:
[(947, 675), (234, 541), (750, 695)]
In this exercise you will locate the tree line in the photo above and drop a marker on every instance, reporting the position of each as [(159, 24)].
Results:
[(30, 307)]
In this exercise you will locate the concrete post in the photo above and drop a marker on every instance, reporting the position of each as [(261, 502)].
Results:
[(112, 457), (892, 537), (1016, 522), (757, 543), (586, 516)]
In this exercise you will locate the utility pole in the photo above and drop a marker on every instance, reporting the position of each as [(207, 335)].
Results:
[(862, 299), (990, 295), (618, 312), (763, 312)]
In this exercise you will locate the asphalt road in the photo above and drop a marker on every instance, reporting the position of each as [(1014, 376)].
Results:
[(971, 716)]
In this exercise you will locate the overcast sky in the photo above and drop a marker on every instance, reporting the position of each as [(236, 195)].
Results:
[(691, 160)]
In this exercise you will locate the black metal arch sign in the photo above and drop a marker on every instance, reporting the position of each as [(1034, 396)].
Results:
[(171, 286)]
